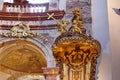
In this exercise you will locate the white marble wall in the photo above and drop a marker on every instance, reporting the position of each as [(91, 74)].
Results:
[(100, 29), (114, 27)]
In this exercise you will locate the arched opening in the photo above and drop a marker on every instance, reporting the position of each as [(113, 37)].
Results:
[(22, 57)]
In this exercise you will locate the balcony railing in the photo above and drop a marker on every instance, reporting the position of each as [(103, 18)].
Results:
[(35, 15), (25, 8)]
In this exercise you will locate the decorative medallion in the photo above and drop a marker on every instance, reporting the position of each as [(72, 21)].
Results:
[(22, 31)]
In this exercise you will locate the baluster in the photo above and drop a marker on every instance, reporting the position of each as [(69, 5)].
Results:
[(44, 9), (28, 8), (33, 8), (15, 8), (22, 8), (37, 8), (19, 10), (40, 9), (8, 8), (11, 8)]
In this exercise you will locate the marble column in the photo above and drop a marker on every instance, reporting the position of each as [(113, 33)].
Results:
[(50, 73)]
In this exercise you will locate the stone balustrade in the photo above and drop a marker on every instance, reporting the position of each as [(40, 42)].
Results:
[(25, 8)]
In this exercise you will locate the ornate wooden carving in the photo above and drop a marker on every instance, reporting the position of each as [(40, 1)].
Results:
[(77, 50)]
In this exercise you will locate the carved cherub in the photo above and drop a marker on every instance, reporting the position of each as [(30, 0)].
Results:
[(62, 25), (77, 22), (77, 19), (75, 27)]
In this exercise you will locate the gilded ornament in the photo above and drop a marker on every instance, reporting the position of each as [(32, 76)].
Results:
[(22, 31), (62, 26), (77, 50)]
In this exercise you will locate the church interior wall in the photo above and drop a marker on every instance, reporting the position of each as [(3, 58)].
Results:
[(114, 18), (100, 30)]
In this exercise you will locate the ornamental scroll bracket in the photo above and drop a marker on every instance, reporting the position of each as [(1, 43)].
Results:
[(22, 31)]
